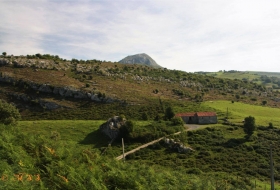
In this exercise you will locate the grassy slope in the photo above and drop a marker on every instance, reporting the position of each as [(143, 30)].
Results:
[(249, 75), (238, 111), (78, 131)]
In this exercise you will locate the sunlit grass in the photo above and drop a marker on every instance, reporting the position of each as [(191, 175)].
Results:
[(238, 111)]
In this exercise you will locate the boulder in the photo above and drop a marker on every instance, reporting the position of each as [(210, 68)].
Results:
[(79, 95), (49, 105), (61, 91), (112, 127), (95, 98), (45, 88)]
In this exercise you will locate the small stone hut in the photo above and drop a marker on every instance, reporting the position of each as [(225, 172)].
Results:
[(198, 117)]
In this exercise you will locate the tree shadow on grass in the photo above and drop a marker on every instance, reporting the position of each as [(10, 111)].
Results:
[(231, 143), (97, 139)]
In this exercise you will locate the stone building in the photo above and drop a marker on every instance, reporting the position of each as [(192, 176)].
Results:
[(198, 117)]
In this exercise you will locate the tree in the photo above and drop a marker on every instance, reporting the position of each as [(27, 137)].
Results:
[(177, 121), (169, 113), (144, 116), (127, 129), (249, 125), (8, 113), (4, 54), (270, 125)]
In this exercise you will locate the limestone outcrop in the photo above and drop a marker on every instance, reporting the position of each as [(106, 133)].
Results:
[(65, 92), (112, 127)]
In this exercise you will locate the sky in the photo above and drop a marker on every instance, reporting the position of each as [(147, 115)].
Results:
[(187, 35)]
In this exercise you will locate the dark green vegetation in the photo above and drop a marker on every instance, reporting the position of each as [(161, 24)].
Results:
[(70, 155), (220, 150), (8, 113), (41, 162), (249, 125)]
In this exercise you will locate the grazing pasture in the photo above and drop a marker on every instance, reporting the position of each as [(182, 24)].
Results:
[(237, 111)]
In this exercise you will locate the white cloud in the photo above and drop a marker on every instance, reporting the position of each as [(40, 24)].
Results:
[(185, 35)]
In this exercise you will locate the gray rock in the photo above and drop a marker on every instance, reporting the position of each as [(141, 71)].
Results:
[(56, 90), (45, 88), (95, 98), (109, 100), (79, 95), (4, 62), (69, 93), (89, 95), (49, 105), (61, 91), (25, 98), (112, 127)]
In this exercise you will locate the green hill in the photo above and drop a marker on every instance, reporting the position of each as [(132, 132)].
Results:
[(268, 79), (49, 87)]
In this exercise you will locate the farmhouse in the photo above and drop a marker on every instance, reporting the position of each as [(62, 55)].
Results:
[(198, 117)]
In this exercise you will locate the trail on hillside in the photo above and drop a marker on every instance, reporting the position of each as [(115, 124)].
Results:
[(190, 128)]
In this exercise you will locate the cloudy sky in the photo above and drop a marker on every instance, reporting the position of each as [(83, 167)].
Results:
[(189, 35)]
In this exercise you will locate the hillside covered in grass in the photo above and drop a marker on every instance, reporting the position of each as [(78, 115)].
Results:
[(49, 87), (270, 80)]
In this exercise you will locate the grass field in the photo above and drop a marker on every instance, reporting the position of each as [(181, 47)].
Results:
[(238, 111), (84, 133)]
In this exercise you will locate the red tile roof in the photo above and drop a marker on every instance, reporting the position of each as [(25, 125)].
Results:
[(189, 114), (204, 114)]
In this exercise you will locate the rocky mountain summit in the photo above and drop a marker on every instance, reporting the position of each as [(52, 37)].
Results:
[(142, 59)]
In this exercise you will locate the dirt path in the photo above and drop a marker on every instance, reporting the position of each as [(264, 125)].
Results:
[(190, 128)]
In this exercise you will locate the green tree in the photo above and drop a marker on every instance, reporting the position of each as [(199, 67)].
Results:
[(144, 116), (270, 125), (249, 125), (177, 121), (169, 113), (4, 54), (8, 113), (127, 129)]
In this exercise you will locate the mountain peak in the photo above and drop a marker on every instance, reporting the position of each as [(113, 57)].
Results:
[(142, 59)]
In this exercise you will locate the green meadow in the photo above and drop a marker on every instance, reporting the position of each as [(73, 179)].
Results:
[(237, 111)]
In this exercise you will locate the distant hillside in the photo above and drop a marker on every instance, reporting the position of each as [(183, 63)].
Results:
[(142, 59), (268, 79), (49, 87)]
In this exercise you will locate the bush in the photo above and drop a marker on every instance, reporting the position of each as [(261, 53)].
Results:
[(8, 113), (177, 121), (169, 113), (249, 125)]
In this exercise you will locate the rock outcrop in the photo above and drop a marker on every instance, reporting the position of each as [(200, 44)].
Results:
[(66, 91), (112, 127)]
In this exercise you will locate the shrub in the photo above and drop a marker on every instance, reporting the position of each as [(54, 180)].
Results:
[(177, 121), (8, 113), (169, 113), (249, 125), (195, 171)]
